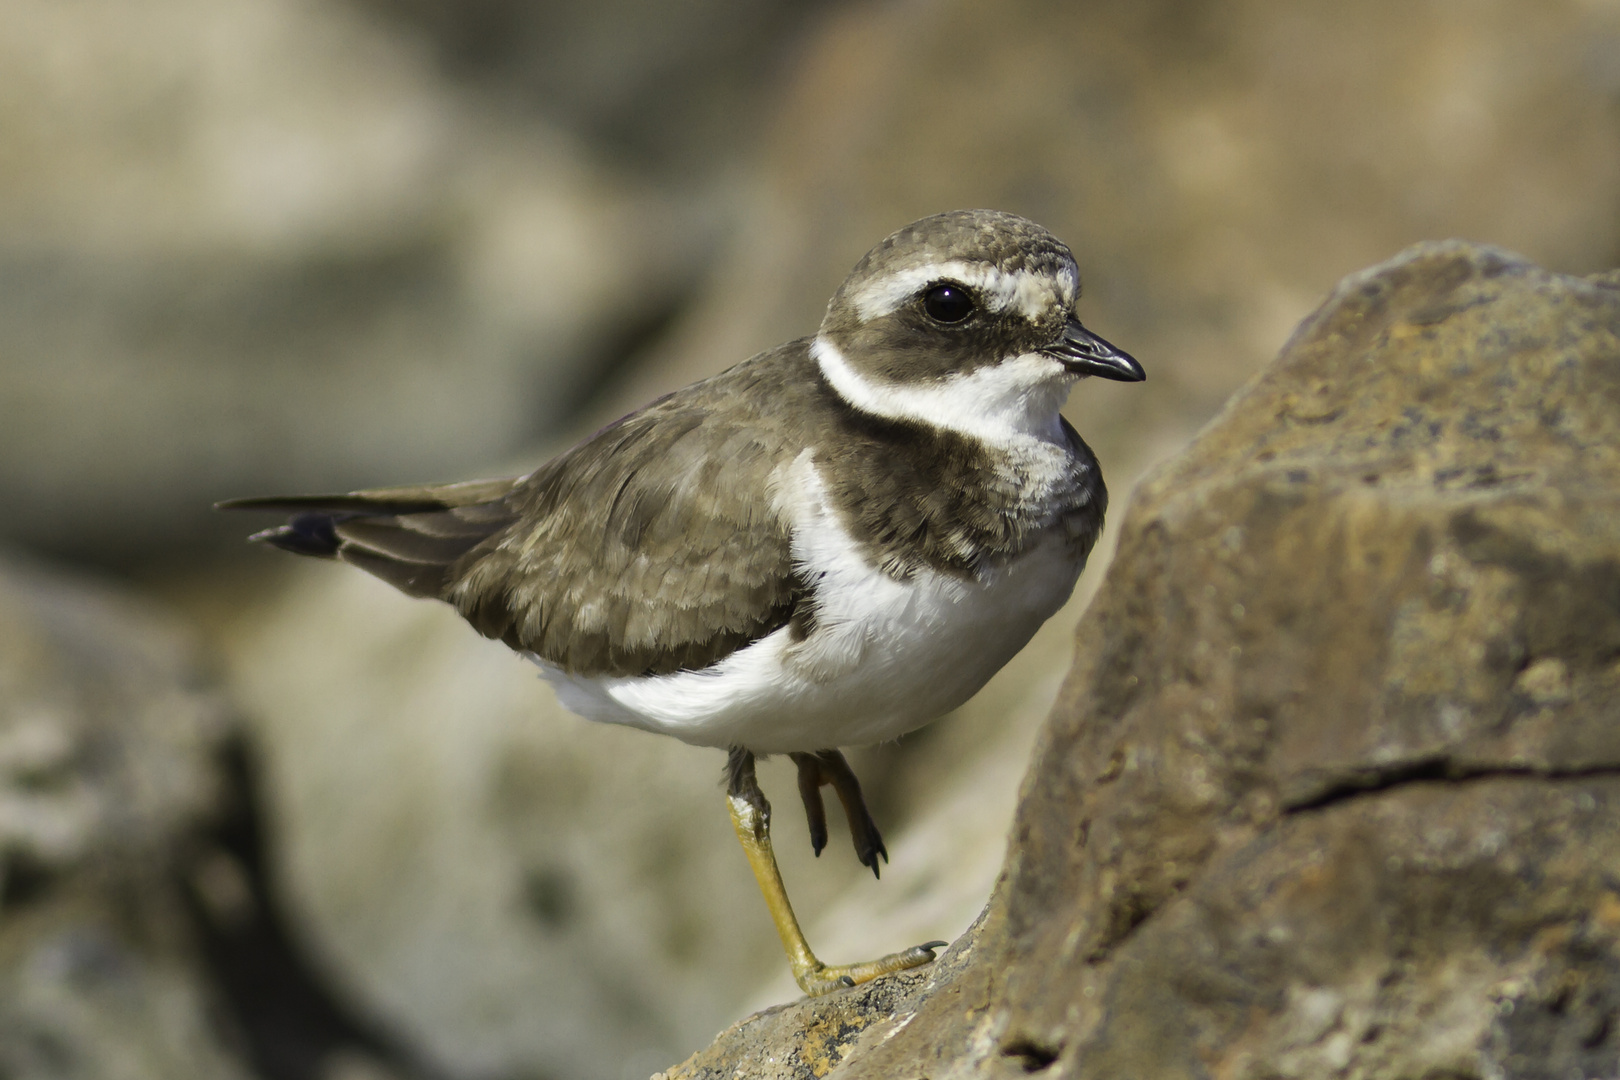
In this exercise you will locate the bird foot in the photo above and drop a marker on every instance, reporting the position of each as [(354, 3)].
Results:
[(824, 978), (751, 818)]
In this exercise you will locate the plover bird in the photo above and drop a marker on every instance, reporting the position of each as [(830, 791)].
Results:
[(828, 545)]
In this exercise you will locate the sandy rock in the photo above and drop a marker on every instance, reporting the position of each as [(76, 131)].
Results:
[(1331, 788), (800, 1039), (106, 776)]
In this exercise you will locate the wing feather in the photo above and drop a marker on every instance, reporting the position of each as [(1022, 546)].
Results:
[(653, 546), (411, 537)]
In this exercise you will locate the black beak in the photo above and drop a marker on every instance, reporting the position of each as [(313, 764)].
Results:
[(1084, 353)]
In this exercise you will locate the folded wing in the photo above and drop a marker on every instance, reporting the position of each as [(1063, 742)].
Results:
[(649, 548)]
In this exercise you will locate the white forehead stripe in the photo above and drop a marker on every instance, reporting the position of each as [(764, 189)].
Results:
[(1026, 291), (1006, 404)]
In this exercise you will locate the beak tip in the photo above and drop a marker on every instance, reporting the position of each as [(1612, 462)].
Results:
[(1084, 353)]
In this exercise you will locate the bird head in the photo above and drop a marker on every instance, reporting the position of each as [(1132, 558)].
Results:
[(965, 320)]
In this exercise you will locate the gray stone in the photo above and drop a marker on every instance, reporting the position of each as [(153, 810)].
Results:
[(1331, 788), (107, 775)]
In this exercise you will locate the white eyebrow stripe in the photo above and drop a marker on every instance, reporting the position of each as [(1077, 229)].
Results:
[(1030, 293)]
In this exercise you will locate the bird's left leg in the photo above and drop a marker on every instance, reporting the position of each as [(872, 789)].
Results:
[(829, 767), (751, 817)]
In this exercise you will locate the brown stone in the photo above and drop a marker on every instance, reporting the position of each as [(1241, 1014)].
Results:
[(1331, 789)]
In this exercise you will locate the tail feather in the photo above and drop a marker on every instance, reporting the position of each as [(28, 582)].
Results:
[(304, 534), (411, 537), (412, 579)]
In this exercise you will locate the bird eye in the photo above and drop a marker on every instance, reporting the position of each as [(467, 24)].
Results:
[(948, 303)]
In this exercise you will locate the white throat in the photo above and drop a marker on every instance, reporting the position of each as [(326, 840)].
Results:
[(1005, 404)]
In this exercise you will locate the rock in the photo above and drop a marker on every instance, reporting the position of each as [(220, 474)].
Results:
[(795, 1041), (107, 777), (263, 245), (1332, 787)]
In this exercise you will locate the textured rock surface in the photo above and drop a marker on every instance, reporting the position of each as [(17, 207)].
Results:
[(1332, 789), (107, 772)]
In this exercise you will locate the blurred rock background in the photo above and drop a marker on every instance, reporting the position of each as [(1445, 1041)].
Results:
[(269, 819)]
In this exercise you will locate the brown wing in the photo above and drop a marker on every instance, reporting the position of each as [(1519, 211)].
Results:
[(652, 547)]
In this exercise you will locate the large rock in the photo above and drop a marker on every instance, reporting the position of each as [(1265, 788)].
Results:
[(1332, 789), (107, 776)]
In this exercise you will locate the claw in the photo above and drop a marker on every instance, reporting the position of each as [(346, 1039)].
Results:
[(811, 777), (829, 767), (823, 979)]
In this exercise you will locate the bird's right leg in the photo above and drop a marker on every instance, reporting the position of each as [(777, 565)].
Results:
[(751, 817)]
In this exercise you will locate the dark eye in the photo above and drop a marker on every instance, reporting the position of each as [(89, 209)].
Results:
[(948, 303)]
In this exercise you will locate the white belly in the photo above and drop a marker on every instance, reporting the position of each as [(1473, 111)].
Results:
[(885, 658)]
